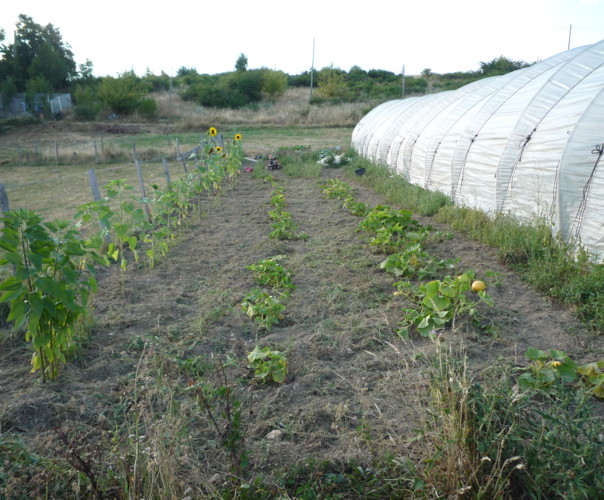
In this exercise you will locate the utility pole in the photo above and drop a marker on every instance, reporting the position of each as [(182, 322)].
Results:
[(312, 67), (170, 94), (570, 29), (403, 95)]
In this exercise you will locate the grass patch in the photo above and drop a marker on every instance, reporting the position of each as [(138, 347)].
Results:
[(397, 189), (301, 166)]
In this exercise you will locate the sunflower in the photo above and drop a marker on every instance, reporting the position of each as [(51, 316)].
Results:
[(237, 137), (218, 149), (213, 131)]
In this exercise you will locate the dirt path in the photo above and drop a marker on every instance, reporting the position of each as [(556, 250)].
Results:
[(353, 386)]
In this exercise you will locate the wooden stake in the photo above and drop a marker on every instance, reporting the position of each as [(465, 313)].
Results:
[(4, 206), (164, 160), (96, 192)]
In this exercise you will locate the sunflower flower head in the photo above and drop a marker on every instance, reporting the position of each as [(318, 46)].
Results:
[(212, 131), (237, 137), (218, 149)]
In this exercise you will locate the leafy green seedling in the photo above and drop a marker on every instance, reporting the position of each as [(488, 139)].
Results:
[(268, 365)]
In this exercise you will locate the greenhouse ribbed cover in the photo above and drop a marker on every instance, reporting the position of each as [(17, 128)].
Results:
[(528, 143)]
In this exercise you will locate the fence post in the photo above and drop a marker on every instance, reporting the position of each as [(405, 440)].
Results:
[(139, 172), (164, 161), (96, 193), (57, 151), (4, 206), (184, 162), (96, 152)]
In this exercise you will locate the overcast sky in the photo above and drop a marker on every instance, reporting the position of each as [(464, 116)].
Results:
[(443, 35)]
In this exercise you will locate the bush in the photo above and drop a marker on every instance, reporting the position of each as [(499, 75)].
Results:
[(147, 107), (274, 84), (123, 94)]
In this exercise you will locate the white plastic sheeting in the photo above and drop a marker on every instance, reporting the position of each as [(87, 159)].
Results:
[(529, 143)]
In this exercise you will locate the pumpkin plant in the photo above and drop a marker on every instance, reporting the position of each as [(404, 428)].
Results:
[(268, 365), (414, 262), (389, 229), (270, 272), (593, 375), (335, 189), (545, 368), (263, 308), (439, 303), (49, 291)]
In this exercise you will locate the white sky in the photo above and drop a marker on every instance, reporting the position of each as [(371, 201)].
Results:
[(443, 35)]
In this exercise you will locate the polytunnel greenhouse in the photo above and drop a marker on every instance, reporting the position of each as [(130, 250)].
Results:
[(528, 143)]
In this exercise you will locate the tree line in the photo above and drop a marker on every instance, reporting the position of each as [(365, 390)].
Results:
[(39, 62)]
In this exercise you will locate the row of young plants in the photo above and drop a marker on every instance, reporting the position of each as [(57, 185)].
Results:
[(52, 264), (532, 429), (266, 305), (444, 300), (283, 227), (440, 302), (563, 271)]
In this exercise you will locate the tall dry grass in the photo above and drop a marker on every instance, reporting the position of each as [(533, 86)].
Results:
[(293, 108)]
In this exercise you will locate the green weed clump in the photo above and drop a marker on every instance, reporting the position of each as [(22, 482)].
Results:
[(505, 438)]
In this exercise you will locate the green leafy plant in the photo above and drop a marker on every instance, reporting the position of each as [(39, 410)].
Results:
[(336, 189), (546, 367), (263, 308), (414, 262), (278, 199), (356, 208), (126, 219), (284, 228), (270, 272), (49, 291), (441, 302), (268, 365), (389, 229), (593, 375)]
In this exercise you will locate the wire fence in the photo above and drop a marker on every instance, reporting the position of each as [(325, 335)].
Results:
[(100, 149), (56, 191)]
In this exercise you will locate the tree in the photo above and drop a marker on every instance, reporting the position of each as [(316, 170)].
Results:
[(331, 83), (37, 51), (8, 90), (36, 92), (274, 83), (500, 66), (241, 64), (123, 95), (184, 71)]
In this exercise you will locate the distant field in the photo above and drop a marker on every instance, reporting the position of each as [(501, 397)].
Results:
[(55, 190)]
